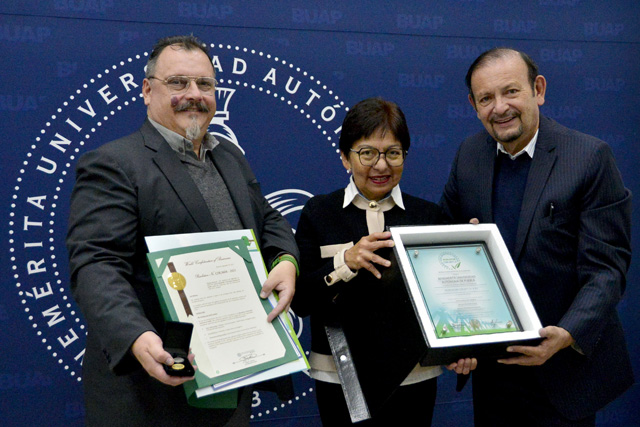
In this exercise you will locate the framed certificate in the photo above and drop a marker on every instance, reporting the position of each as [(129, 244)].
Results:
[(466, 291), (462, 290)]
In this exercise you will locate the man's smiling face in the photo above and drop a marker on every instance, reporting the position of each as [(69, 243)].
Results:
[(179, 112), (505, 102)]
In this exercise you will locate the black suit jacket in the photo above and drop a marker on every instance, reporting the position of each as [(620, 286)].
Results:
[(126, 190), (376, 315), (572, 258)]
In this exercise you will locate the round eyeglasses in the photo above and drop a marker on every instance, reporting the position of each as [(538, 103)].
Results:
[(206, 85), (369, 156)]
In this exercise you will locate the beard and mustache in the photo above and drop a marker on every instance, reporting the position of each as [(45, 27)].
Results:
[(193, 130)]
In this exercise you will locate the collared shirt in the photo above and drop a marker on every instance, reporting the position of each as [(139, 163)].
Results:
[(352, 191), (183, 145), (215, 194), (205, 175), (529, 149)]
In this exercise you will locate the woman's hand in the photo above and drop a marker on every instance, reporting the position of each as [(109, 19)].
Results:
[(362, 254), (463, 366)]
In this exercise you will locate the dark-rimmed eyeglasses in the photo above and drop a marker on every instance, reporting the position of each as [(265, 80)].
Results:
[(369, 156), (206, 85)]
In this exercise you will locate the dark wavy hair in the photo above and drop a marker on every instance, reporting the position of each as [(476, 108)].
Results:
[(189, 42), (370, 116), (499, 53)]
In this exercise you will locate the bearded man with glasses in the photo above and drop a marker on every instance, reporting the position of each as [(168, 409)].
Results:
[(169, 177)]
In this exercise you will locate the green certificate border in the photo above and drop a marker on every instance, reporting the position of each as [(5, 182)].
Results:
[(240, 246)]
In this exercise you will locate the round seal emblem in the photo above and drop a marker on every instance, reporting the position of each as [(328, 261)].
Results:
[(449, 260), (104, 108)]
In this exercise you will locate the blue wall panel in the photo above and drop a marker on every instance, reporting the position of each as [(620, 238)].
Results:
[(71, 77)]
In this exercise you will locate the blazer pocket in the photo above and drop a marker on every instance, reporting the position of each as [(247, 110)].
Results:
[(565, 223), (329, 251), (557, 219)]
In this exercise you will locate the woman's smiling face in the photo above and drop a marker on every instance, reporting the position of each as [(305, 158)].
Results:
[(376, 181)]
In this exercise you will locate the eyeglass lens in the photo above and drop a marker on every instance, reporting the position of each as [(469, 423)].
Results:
[(180, 83), (369, 156)]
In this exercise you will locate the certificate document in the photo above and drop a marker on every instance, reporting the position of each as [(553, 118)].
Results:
[(461, 289), (215, 286)]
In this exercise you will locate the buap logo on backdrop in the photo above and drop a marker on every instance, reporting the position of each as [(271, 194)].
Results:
[(37, 224)]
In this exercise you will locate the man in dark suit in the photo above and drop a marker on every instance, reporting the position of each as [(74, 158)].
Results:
[(169, 177), (558, 200)]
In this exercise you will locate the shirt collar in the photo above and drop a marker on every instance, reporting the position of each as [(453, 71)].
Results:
[(529, 149), (351, 192), (183, 145)]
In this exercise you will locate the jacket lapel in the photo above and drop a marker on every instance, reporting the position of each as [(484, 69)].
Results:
[(544, 158), (171, 167), (485, 180)]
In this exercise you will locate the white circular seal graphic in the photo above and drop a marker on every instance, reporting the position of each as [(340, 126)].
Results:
[(449, 260), (95, 113)]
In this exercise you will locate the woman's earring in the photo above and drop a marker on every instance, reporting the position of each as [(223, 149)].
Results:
[(348, 170)]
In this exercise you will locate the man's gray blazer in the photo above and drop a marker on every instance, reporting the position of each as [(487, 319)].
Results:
[(125, 190)]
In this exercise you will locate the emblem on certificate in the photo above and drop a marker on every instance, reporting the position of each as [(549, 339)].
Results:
[(178, 282)]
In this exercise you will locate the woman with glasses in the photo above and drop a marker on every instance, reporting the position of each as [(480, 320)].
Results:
[(347, 278)]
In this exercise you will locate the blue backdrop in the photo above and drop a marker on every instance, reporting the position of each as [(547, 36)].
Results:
[(72, 72)]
